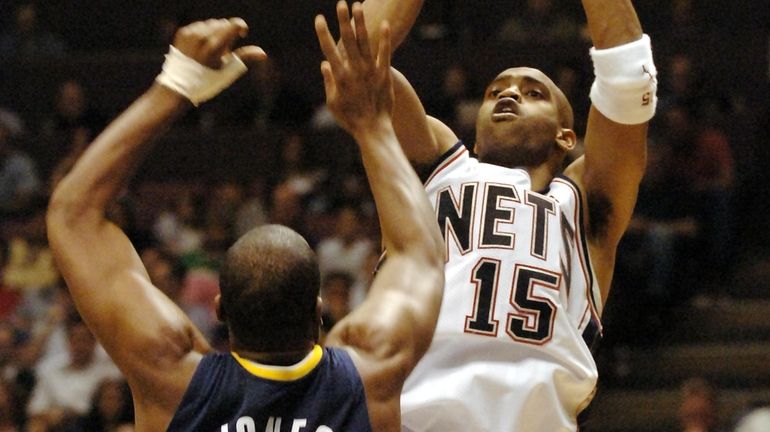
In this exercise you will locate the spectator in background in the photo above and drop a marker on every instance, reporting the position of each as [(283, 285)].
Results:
[(9, 297), (69, 128), (458, 102), (8, 419), (66, 385), (712, 172), (656, 249), (111, 408), (295, 167), (27, 41), (683, 86), (165, 270), (678, 22), (263, 99), (222, 204), (193, 290), (252, 212), (345, 250), (73, 111), (16, 376), (9, 347), (200, 287), (540, 22), (572, 82), (335, 292), (698, 408), (180, 230), (19, 181), (298, 180), (30, 268)]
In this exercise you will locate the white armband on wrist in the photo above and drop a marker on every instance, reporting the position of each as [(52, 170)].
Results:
[(626, 82), (195, 81)]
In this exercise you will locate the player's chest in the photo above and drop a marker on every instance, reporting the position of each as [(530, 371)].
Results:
[(495, 217)]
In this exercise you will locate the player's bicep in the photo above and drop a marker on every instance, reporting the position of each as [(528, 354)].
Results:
[(393, 328), (136, 323)]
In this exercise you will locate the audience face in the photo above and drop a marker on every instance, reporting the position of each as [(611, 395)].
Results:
[(697, 411), (161, 271), (347, 224), (26, 19), (110, 400), (71, 102), (336, 291)]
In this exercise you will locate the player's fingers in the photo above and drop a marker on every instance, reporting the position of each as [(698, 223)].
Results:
[(384, 50), (362, 34), (250, 54), (328, 46), (240, 24), (329, 84), (225, 32), (347, 34)]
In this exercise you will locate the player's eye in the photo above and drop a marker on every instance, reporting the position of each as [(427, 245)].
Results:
[(495, 92), (535, 94)]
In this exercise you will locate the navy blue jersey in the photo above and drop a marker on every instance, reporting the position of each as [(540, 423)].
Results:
[(322, 393)]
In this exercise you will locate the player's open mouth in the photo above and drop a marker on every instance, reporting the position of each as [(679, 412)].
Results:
[(505, 109)]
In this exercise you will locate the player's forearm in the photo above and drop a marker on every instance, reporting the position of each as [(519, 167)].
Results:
[(110, 161), (407, 220), (612, 22), (400, 14)]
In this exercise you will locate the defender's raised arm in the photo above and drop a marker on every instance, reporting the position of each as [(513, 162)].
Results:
[(393, 328), (146, 334)]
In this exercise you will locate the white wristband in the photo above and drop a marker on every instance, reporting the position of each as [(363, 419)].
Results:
[(195, 81), (626, 82)]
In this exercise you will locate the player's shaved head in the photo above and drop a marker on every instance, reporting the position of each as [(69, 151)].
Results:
[(269, 284)]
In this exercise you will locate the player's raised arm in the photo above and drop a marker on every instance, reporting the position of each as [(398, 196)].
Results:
[(422, 137), (145, 333), (391, 330), (623, 101)]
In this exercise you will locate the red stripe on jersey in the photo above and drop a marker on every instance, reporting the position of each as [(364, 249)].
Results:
[(448, 162)]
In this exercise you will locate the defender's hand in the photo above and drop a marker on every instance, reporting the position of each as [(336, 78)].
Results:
[(208, 41), (359, 91)]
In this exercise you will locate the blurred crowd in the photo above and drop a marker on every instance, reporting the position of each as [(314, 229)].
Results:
[(682, 245)]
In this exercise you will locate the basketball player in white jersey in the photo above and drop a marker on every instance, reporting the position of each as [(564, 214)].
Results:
[(530, 250)]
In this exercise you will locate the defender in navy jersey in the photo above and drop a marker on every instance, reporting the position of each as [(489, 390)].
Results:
[(277, 378), (530, 248)]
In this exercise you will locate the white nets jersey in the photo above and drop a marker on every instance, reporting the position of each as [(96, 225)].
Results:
[(520, 310)]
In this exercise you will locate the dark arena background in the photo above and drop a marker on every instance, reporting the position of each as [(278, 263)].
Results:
[(687, 326)]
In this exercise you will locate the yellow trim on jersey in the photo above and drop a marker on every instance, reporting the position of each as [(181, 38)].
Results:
[(283, 373)]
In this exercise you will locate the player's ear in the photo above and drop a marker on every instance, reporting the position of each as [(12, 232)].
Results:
[(319, 304), (221, 316), (566, 139), (318, 322)]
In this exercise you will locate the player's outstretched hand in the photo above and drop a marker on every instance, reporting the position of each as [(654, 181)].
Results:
[(207, 42), (358, 86)]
